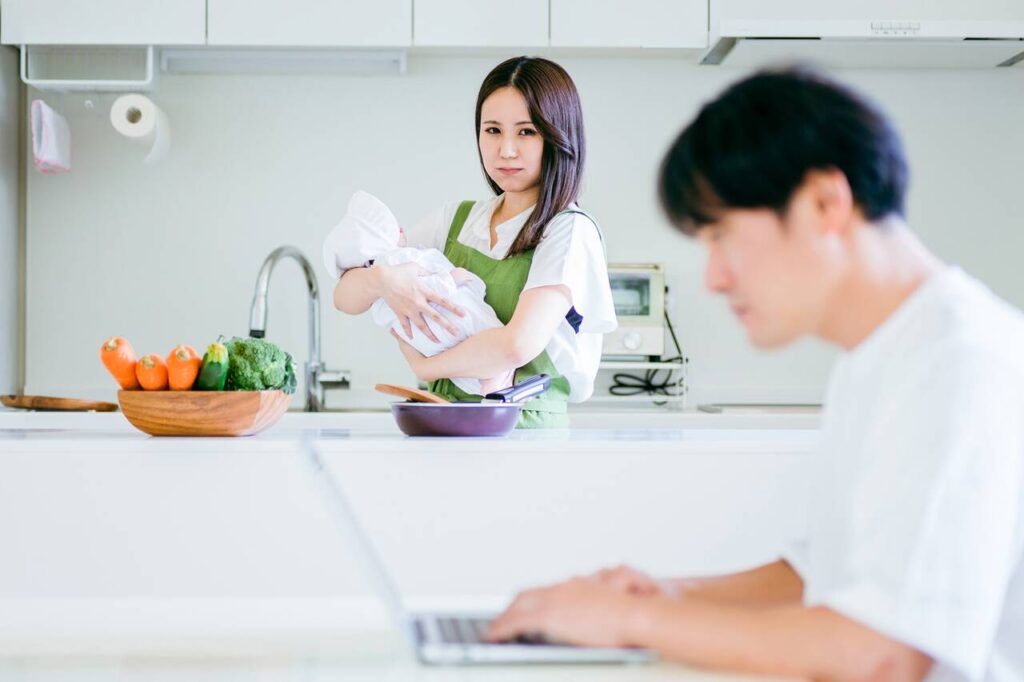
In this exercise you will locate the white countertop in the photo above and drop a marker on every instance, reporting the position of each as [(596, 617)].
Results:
[(368, 659), (121, 544), (382, 421)]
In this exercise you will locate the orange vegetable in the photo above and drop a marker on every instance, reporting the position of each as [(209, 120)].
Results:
[(151, 371), (182, 367), (118, 357)]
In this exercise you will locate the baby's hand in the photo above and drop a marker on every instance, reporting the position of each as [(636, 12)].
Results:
[(460, 275)]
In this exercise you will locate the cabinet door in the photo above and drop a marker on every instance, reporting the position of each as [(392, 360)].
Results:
[(310, 23), (481, 23), (812, 18), (103, 22), (638, 23)]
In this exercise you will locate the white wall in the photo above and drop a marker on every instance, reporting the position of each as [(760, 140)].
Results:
[(10, 170), (169, 254)]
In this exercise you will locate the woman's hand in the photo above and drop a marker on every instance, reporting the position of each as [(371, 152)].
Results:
[(410, 300), (417, 361)]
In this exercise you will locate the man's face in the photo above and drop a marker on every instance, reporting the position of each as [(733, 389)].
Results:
[(778, 273)]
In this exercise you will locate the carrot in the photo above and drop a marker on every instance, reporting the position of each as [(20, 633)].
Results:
[(118, 357), (182, 367), (151, 371)]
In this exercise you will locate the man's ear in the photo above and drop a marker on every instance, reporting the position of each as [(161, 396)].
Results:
[(833, 199)]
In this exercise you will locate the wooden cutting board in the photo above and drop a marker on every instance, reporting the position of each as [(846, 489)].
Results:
[(48, 403)]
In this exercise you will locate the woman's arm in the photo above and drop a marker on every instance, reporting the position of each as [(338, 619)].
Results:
[(401, 289), (357, 289), (493, 351)]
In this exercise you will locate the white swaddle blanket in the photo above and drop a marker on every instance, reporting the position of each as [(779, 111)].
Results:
[(369, 232)]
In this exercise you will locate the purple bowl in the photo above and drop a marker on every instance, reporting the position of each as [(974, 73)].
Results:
[(456, 419)]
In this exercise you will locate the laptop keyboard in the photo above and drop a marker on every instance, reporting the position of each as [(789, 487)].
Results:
[(474, 631), (462, 630)]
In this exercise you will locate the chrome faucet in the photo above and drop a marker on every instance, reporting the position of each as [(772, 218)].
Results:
[(318, 378)]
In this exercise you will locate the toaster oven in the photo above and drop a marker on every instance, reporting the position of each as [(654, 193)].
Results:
[(638, 292)]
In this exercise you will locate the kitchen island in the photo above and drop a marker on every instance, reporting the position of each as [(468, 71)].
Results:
[(124, 546)]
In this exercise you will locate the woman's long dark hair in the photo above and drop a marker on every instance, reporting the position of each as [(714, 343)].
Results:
[(554, 107)]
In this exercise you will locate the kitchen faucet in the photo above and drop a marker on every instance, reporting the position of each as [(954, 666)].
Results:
[(318, 378)]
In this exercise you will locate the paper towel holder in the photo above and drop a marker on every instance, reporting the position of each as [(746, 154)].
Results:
[(103, 59)]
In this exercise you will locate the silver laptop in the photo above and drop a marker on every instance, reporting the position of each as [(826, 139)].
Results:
[(450, 638)]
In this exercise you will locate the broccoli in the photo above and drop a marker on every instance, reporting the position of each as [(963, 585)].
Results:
[(258, 365)]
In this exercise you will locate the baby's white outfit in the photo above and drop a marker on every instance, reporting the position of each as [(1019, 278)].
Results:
[(369, 233)]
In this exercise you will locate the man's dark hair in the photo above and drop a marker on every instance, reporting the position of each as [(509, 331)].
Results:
[(753, 145)]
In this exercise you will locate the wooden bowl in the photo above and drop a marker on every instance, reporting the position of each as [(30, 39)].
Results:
[(203, 413)]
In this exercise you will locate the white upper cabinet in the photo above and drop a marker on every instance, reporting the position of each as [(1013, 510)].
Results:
[(869, 18), (103, 22), (637, 23), (310, 23), (481, 23)]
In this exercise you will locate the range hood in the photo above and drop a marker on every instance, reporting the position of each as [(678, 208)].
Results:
[(896, 34)]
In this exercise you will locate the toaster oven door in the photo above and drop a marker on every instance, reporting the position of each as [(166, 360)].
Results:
[(638, 292)]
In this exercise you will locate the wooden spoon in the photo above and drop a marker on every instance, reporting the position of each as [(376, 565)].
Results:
[(414, 394)]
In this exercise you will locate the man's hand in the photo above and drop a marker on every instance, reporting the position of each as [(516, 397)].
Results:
[(582, 611), (631, 581), (623, 608)]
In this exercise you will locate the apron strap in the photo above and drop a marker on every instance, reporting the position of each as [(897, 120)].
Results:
[(591, 218), (455, 229)]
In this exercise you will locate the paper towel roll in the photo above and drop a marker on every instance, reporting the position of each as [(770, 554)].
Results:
[(140, 120)]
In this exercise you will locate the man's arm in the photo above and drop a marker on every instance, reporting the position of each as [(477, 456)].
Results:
[(791, 640), (817, 643), (773, 584)]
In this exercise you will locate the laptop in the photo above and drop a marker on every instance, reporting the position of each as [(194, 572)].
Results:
[(449, 638)]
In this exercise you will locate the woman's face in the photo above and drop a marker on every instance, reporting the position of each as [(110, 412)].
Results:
[(510, 145)]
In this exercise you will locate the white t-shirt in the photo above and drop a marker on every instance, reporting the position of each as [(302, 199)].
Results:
[(570, 254), (916, 523)]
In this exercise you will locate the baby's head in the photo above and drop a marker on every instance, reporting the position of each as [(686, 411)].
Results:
[(368, 229)]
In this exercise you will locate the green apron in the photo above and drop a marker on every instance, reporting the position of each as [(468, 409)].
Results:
[(505, 280)]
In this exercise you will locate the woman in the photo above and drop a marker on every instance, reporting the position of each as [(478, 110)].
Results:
[(540, 256)]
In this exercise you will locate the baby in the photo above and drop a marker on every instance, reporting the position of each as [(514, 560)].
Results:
[(369, 233)]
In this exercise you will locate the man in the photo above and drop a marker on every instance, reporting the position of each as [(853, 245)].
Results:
[(912, 562)]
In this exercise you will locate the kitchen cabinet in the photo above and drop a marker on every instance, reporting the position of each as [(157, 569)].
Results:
[(640, 23), (103, 22), (481, 23), (310, 23), (184, 538), (929, 18)]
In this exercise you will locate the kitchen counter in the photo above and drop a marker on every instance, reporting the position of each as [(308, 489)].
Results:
[(381, 421), (365, 660), (119, 544)]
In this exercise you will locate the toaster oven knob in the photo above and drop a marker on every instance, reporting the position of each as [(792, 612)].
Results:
[(632, 340)]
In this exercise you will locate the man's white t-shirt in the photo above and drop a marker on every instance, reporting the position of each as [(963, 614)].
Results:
[(570, 254), (916, 523)]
